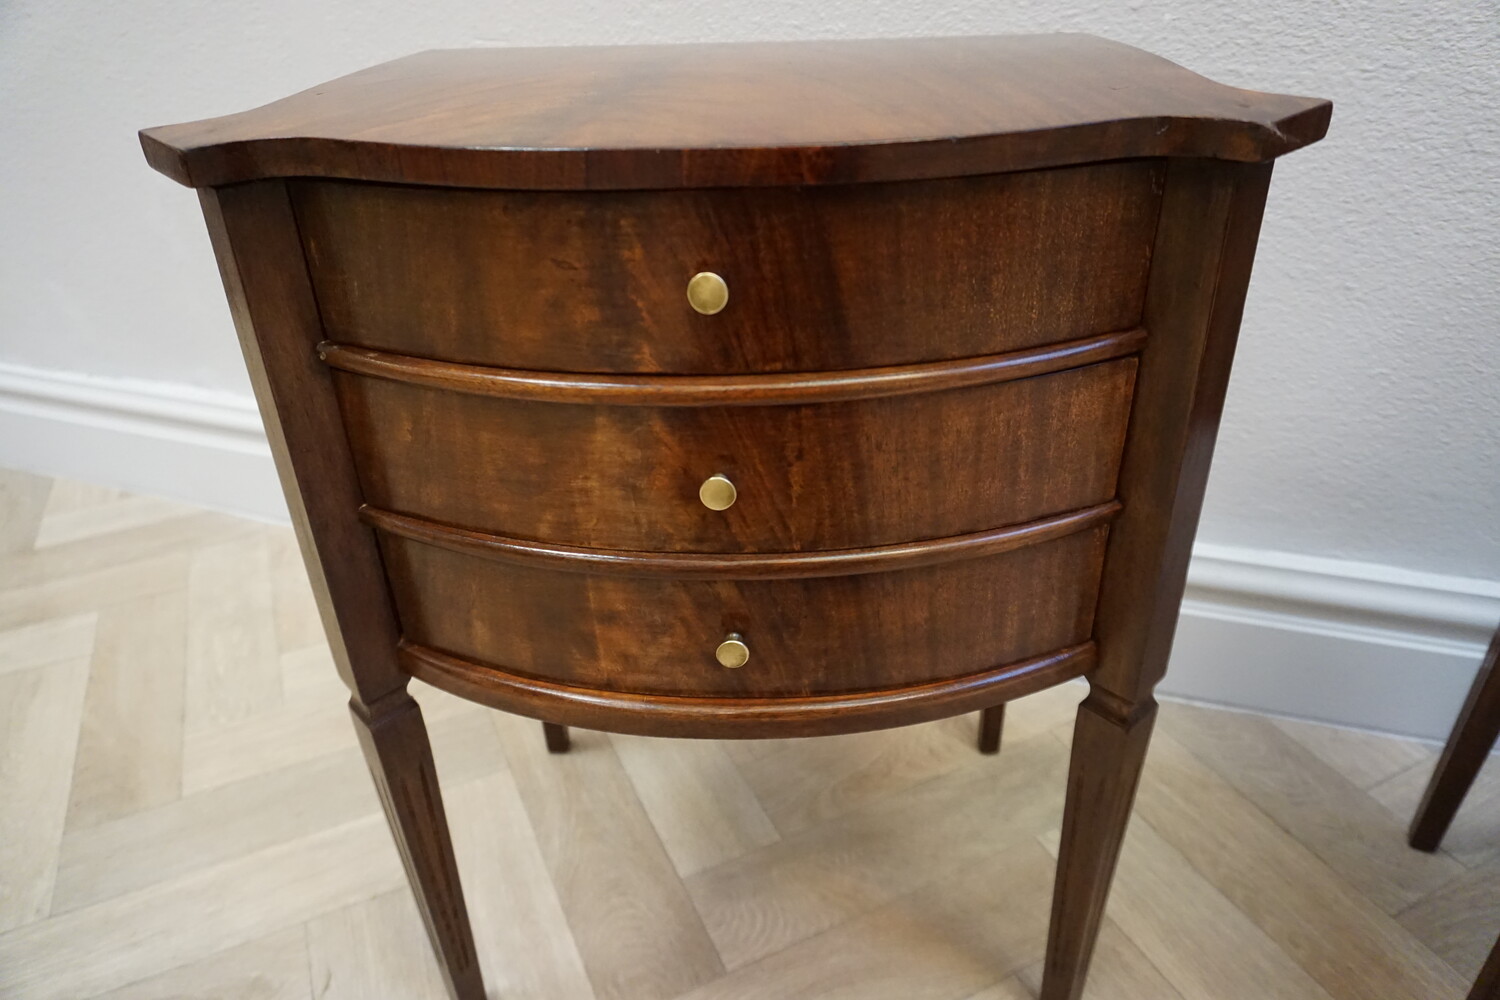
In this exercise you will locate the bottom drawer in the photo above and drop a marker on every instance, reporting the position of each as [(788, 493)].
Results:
[(653, 634)]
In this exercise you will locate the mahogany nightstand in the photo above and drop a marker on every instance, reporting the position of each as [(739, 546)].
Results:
[(746, 390)]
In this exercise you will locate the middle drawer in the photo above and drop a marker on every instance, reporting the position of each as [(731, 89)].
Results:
[(831, 475)]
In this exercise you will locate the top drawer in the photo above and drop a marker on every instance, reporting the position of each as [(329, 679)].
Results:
[(818, 278)]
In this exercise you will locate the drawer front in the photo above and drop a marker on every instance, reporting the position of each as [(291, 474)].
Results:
[(808, 476), (651, 634), (817, 278)]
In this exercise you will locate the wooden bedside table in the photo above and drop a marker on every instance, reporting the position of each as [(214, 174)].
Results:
[(746, 390)]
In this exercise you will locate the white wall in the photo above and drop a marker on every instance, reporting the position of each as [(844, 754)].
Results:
[(1363, 422)]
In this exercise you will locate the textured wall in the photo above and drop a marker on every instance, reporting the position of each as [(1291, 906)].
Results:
[(1364, 420)]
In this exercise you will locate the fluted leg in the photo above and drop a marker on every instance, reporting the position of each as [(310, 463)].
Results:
[(991, 723), (557, 737), (1109, 746), (396, 747), (1470, 743)]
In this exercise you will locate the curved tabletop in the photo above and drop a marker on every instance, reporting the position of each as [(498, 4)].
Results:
[(674, 116)]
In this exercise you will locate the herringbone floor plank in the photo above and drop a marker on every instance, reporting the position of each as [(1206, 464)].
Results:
[(1308, 798), (184, 813)]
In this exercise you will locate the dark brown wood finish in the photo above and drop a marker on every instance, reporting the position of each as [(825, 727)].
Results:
[(731, 390), (1473, 737), (826, 476), (821, 635), (1487, 984), (1205, 246), (596, 282), (557, 738), (1469, 745), (1108, 750), (255, 240), (740, 565), (395, 743), (969, 404), (991, 723), (778, 113), (738, 716)]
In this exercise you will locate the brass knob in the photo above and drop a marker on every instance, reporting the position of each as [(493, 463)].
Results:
[(707, 293), (732, 652), (717, 492)]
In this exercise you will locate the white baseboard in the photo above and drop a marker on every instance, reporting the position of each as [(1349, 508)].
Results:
[(1362, 645), (163, 439)]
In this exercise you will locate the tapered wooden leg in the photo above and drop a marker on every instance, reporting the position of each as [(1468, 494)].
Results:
[(394, 740), (557, 737), (1470, 743), (1109, 745), (1487, 986), (991, 723)]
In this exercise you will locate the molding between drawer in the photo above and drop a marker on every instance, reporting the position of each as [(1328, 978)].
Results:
[(739, 565), (729, 390), (745, 717)]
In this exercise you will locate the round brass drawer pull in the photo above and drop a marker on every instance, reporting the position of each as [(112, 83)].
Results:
[(732, 652), (717, 492), (707, 293)]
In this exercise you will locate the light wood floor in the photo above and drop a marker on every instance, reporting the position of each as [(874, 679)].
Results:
[(184, 813)]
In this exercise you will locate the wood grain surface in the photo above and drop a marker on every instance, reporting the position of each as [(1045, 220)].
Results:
[(1205, 245), (819, 278), (713, 115), (770, 389), (739, 565), (806, 636), (739, 717), (1472, 740), (829, 476)]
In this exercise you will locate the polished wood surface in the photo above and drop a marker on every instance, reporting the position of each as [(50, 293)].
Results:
[(967, 405), (1473, 738), (719, 115), (731, 390), (816, 635), (1205, 244), (1205, 247), (558, 740), (1108, 751), (395, 744), (991, 726), (740, 565), (736, 716), (276, 318), (824, 476), (853, 276)]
